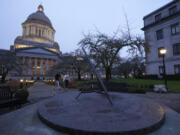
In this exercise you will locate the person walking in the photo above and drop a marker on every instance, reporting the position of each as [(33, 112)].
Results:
[(66, 80), (57, 77)]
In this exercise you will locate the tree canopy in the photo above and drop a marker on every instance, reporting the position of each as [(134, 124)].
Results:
[(104, 49), (8, 62)]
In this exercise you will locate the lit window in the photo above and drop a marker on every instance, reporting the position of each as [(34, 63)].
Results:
[(22, 46), (52, 49)]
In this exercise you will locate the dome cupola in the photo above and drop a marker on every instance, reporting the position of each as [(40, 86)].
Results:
[(38, 27), (39, 17), (40, 8)]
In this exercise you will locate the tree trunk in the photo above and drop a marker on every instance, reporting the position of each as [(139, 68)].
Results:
[(92, 76), (108, 74), (79, 75), (3, 78)]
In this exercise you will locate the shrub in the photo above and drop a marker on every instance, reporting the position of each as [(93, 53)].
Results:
[(14, 85), (173, 77), (136, 90), (150, 77), (73, 84), (22, 95)]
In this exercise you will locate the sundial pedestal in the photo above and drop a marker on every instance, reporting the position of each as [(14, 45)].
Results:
[(93, 115)]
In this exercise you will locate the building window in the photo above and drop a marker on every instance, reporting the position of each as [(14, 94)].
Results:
[(36, 31), (30, 29), (42, 33), (159, 34), (158, 17), (175, 29), (24, 30), (21, 60), (176, 49), (177, 69), (161, 70), (173, 10), (39, 33)]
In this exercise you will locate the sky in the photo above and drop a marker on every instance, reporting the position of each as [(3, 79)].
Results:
[(72, 18)]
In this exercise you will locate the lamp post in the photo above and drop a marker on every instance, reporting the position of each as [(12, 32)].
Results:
[(78, 64), (21, 83), (163, 52)]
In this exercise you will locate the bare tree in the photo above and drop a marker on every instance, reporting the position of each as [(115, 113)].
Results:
[(104, 49), (72, 62), (8, 62), (80, 63)]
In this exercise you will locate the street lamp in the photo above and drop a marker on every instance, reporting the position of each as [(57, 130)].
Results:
[(163, 52), (21, 83)]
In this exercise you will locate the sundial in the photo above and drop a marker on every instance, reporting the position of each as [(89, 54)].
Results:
[(105, 93), (110, 113)]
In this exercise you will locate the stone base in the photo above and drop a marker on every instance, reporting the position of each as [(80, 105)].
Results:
[(92, 114)]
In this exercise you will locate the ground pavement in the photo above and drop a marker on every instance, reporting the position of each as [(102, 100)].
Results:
[(25, 121), (171, 100), (40, 91), (37, 92)]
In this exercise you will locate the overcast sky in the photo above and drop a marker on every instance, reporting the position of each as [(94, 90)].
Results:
[(72, 18)]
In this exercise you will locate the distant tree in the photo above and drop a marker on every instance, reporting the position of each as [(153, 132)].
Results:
[(64, 66), (104, 49), (134, 66), (80, 63), (8, 62), (71, 62), (125, 68), (138, 66)]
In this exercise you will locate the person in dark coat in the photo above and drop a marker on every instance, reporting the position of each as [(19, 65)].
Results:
[(57, 77)]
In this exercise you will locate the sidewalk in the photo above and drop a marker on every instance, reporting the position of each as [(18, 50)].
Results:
[(41, 91), (25, 121)]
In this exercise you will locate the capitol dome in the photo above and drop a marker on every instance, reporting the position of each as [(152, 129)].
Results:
[(39, 17)]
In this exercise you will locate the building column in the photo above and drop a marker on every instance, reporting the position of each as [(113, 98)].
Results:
[(23, 66), (51, 63), (35, 67), (29, 66), (41, 65), (47, 65)]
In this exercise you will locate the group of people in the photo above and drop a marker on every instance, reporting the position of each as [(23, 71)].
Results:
[(65, 80)]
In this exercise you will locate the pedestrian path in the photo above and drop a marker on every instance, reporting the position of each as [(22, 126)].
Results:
[(25, 121), (40, 91)]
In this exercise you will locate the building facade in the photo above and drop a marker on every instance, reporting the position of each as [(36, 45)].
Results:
[(36, 49), (162, 30)]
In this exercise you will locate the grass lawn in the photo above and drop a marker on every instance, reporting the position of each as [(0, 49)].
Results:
[(173, 86)]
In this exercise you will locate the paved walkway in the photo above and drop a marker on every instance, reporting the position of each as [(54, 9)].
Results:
[(26, 122), (41, 91), (171, 100)]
